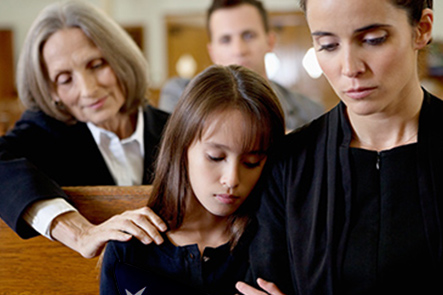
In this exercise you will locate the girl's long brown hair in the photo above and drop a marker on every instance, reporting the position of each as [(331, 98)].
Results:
[(216, 89)]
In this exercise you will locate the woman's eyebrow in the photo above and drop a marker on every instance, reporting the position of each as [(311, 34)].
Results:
[(371, 27), (321, 33), (359, 30)]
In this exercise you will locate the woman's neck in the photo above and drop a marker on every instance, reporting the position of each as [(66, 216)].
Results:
[(123, 125), (387, 130)]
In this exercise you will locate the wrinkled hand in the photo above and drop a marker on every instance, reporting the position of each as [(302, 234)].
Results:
[(269, 287), (73, 230)]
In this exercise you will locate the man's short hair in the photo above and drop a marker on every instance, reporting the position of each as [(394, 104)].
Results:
[(222, 4)]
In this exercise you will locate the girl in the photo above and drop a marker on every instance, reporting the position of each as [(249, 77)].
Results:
[(212, 154)]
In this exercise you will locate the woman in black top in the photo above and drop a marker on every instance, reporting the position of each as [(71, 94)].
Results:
[(353, 202), (212, 154), (83, 81)]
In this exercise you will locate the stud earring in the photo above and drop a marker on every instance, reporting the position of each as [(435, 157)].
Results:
[(58, 104)]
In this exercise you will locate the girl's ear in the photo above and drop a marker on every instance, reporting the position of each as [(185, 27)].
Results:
[(424, 29)]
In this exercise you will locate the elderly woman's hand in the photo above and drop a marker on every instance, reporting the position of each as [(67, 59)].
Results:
[(76, 232), (269, 287)]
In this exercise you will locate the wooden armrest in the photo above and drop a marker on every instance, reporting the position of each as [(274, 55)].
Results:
[(41, 266), (98, 203)]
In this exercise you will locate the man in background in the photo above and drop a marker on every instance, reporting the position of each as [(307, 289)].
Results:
[(239, 33)]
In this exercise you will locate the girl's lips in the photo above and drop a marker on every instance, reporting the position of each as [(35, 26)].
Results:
[(226, 198), (360, 93)]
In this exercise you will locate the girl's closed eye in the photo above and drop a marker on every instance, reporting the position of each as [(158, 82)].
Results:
[(253, 161), (215, 158), (252, 164)]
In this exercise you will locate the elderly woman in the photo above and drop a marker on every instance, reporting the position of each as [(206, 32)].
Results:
[(83, 81)]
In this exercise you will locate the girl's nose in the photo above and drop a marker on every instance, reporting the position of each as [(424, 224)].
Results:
[(230, 178)]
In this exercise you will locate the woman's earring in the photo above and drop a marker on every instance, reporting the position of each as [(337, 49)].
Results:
[(58, 104)]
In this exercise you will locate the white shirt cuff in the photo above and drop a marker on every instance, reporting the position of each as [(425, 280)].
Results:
[(41, 214)]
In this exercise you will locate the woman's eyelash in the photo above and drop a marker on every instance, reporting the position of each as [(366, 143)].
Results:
[(328, 47), (60, 81), (369, 41), (375, 41)]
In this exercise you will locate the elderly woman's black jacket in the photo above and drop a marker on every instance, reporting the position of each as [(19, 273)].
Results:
[(41, 154)]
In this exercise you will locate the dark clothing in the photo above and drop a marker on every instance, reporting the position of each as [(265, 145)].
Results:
[(307, 212), (214, 272), (385, 226), (41, 154)]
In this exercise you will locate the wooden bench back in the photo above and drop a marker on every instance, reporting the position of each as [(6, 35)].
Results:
[(40, 266)]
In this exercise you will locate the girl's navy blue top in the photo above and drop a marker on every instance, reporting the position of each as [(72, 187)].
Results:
[(214, 272)]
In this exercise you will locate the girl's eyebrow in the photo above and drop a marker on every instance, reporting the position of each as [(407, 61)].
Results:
[(256, 152), (359, 30), (216, 145), (222, 146)]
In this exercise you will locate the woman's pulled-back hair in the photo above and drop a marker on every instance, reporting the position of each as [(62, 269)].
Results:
[(214, 91), (414, 8), (119, 50)]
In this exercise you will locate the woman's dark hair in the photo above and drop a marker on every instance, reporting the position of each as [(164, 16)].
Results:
[(216, 90), (413, 7)]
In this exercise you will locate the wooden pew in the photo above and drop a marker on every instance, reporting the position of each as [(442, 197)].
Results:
[(40, 266)]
